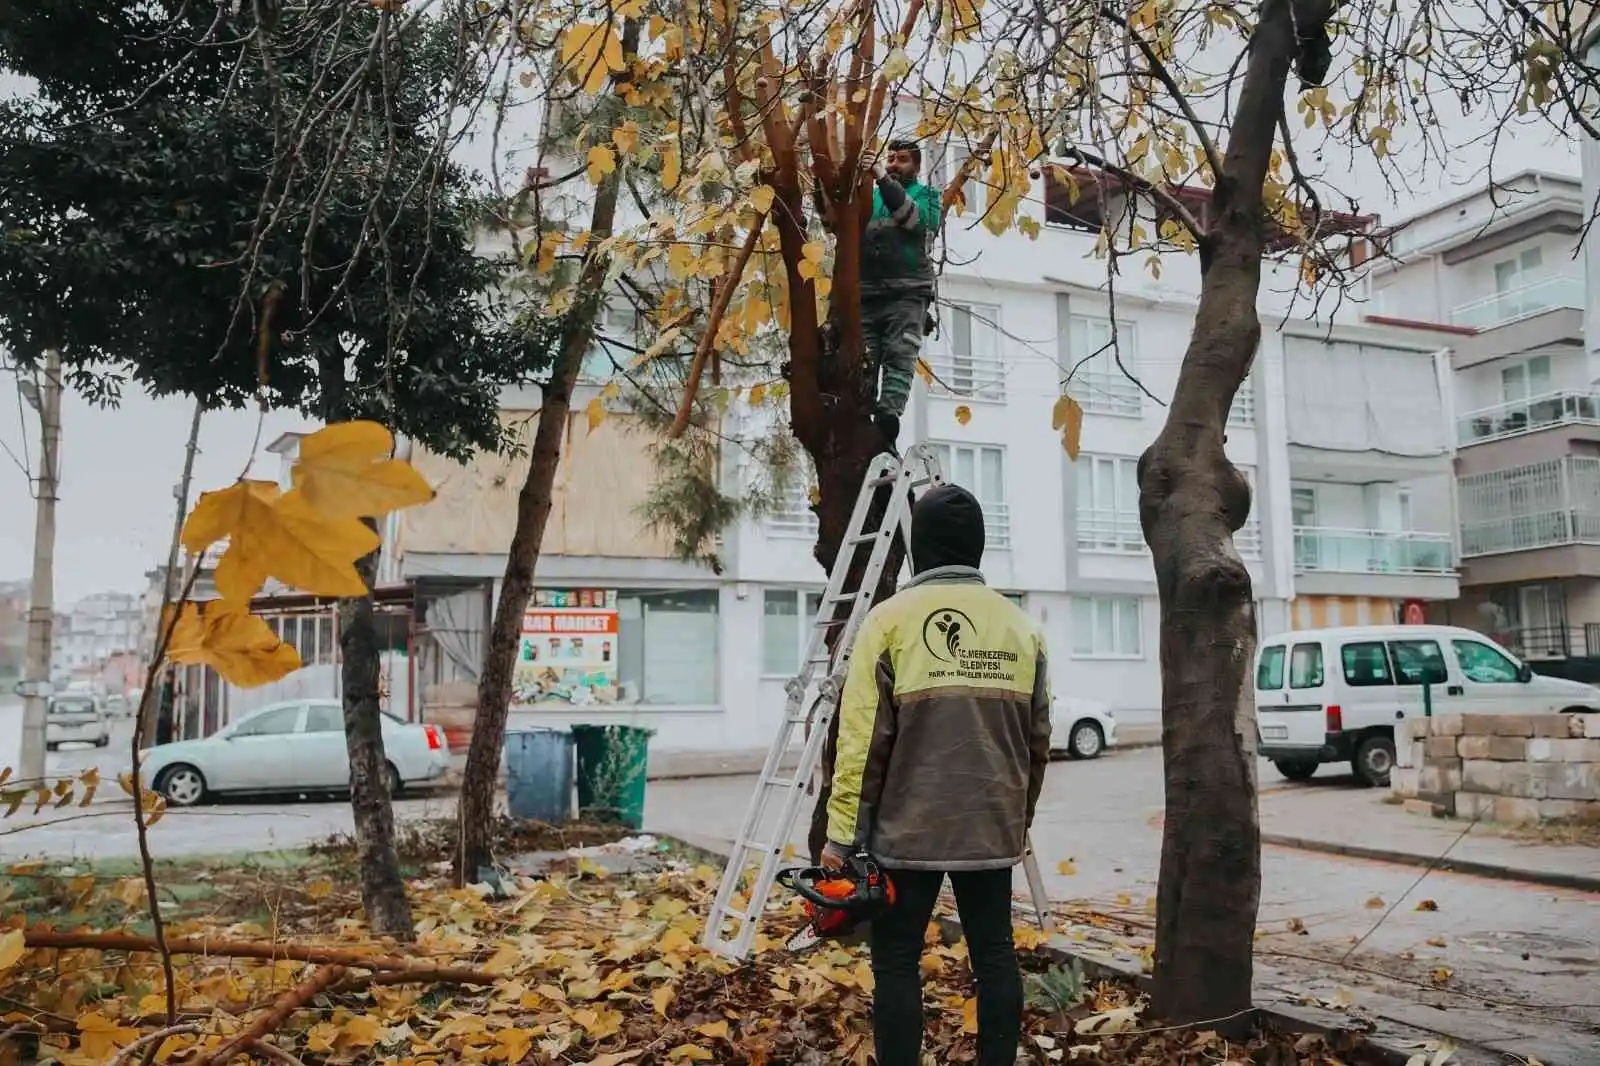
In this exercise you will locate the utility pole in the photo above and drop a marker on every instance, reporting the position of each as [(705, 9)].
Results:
[(41, 597)]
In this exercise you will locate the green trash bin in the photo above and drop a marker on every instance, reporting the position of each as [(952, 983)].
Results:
[(612, 768)]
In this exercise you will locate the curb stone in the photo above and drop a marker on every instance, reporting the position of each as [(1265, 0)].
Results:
[(1548, 878)]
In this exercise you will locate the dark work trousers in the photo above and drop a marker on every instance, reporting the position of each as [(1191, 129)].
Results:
[(983, 899)]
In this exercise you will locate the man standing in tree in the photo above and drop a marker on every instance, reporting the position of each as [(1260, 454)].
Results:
[(944, 737), (897, 279)]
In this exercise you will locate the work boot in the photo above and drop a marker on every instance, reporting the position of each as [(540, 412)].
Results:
[(889, 426)]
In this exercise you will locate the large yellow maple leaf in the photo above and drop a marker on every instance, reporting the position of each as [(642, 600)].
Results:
[(344, 471), (277, 534), (237, 644)]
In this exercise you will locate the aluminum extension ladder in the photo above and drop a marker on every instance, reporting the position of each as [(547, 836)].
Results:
[(730, 932)]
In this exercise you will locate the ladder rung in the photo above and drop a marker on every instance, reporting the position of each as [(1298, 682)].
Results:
[(867, 538), (731, 913), (843, 597)]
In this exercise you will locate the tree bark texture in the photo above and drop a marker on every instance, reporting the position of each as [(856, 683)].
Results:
[(475, 808), (383, 890), (1192, 500)]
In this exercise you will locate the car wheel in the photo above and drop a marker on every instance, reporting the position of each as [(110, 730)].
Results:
[(1086, 741), (182, 785), (1296, 770), (396, 785), (103, 741), (51, 747), (1374, 760)]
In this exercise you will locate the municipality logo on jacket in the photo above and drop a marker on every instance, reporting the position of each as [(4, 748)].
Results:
[(952, 637)]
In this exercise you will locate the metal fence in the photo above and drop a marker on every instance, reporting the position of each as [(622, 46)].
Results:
[(1538, 505)]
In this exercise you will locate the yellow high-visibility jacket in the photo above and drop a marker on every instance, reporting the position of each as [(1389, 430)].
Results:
[(944, 728)]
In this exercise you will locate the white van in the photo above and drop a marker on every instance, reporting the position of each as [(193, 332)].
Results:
[(1333, 695)]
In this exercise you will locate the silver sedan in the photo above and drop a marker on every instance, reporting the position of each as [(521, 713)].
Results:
[(296, 748)]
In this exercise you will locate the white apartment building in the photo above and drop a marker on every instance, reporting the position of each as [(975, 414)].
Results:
[(1501, 271), (1344, 430)]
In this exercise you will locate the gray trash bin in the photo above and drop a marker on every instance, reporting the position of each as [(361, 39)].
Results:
[(539, 774)]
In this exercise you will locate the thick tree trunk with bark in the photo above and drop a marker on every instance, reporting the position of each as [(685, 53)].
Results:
[(383, 890), (475, 808), (1192, 500)]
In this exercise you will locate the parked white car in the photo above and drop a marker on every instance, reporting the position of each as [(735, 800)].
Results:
[(1333, 695), (1082, 728), (296, 747), (76, 716)]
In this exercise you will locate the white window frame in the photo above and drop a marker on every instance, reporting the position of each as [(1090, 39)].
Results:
[(1521, 375), (976, 375), (1242, 412), (792, 517), (1098, 384), (614, 318), (1109, 526), (996, 509), (1119, 606), (807, 616)]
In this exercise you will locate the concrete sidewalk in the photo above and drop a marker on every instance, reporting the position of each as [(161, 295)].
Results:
[(686, 765), (1358, 823)]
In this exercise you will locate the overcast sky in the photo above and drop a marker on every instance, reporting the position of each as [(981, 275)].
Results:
[(119, 466)]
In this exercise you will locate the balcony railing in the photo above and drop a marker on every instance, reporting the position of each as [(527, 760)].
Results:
[(1526, 300), (973, 377), (1552, 642), (1371, 551), (996, 524), (1102, 530), (1539, 505), (1516, 417), (1118, 532)]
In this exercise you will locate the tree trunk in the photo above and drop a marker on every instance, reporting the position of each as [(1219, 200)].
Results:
[(1192, 499), (850, 441), (475, 808), (383, 890)]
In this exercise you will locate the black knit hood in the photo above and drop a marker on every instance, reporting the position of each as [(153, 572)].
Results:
[(946, 529)]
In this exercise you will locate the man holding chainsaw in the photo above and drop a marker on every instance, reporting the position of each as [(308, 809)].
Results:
[(944, 736)]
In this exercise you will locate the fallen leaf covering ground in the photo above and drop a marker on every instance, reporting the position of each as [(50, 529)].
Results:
[(589, 968)]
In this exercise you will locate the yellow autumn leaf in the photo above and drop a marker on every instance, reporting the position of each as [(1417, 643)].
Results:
[(969, 1017), (592, 51), (345, 471), (511, 1045), (361, 1030), (671, 166), (896, 65), (626, 137), (689, 1053), (758, 393), (99, 1037), (717, 1030), (596, 412), (924, 371), (237, 644), (282, 536), (616, 1058), (1066, 868), (320, 889), (601, 161), (1067, 416), (963, 414), (761, 198), (12, 947), (1375, 903), (662, 998), (811, 259)]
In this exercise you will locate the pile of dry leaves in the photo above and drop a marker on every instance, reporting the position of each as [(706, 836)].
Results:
[(581, 967)]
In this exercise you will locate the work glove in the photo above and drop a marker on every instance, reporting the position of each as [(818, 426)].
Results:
[(834, 856)]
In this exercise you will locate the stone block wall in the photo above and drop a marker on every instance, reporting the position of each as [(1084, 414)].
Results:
[(1512, 768)]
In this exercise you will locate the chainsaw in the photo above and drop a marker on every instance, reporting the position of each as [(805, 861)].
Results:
[(837, 901)]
